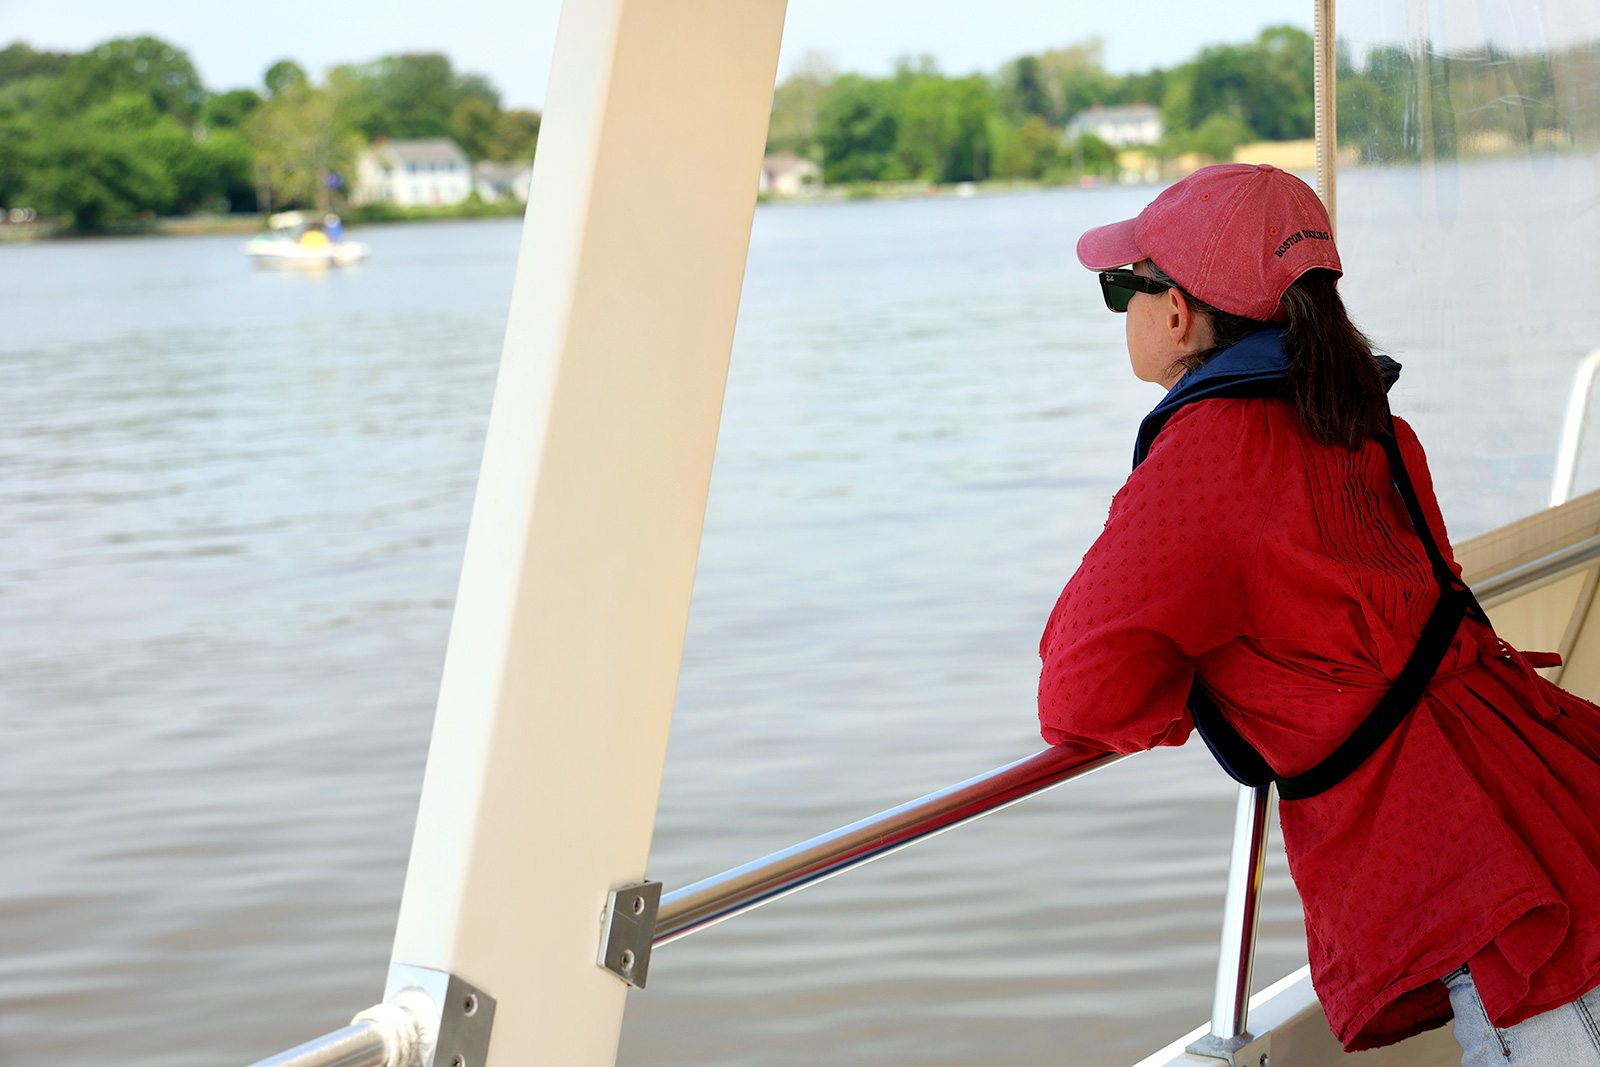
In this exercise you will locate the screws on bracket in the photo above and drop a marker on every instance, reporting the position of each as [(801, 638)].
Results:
[(628, 922), (455, 1017)]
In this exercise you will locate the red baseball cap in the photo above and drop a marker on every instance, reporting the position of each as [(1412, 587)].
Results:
[(1234, 235)]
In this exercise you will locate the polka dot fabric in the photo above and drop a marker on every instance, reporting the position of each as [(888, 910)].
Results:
[(1286, 574)]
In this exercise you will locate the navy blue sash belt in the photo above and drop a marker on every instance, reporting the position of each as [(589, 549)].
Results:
[(1246, 765), (1254, 368)]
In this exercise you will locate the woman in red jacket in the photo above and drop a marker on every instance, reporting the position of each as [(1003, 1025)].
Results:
[(1276, 571)]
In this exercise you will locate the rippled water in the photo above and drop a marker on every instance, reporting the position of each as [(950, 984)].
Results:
[(234, 506)]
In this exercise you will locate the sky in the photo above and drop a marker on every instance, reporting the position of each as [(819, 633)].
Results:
[(512, 40)]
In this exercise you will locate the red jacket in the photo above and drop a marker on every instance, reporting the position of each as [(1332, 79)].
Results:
[(1286, 573)]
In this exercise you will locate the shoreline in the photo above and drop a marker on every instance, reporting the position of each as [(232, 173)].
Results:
[(383, 214), (1293, 155), (192, 225), (195, 225)]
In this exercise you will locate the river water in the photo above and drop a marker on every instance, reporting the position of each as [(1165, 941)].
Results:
[(234, 506)]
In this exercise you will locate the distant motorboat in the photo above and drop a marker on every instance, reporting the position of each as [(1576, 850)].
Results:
[(296, 242)]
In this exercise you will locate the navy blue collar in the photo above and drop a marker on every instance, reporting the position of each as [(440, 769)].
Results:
[(1252, 367)]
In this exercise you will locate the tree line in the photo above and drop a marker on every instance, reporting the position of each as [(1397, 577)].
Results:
[(127, 129), (1398, 103), (918, 123)]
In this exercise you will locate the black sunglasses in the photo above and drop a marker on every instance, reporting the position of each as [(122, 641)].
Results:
[(1118, 286)]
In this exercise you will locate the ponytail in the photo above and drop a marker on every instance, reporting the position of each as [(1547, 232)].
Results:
[(1334, 379)]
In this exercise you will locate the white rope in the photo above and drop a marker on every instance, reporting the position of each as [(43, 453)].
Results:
[(403, 1022)]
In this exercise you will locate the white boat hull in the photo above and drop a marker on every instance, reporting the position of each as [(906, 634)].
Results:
[(1289, 1011), (292, 255)]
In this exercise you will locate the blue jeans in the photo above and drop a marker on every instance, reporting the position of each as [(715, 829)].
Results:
[(1568, 1036)]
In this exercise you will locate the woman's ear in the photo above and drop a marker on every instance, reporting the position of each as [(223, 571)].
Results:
[(1189, 329), (1180, 317)]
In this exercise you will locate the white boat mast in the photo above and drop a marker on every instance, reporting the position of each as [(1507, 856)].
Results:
[(1324, 77)]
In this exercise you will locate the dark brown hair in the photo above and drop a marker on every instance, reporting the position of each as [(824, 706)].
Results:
[(1333, 378)]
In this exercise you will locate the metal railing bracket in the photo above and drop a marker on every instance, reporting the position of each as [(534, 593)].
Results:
[(630, 929), (427, 1019), (456, 1031), (1245, 1050)]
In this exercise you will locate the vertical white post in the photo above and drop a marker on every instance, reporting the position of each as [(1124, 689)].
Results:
[(545, 765)]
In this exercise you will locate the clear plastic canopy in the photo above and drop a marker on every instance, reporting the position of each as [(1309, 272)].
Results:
[(1469, 225)]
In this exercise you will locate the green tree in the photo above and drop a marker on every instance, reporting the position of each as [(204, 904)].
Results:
[(472, 124), (1042, 143), (857, 129), (477, 86), (1266, 85), (405, 96), (1026, 92), (283, 76), (92, 179), (1090, 155), (1078, 80), (1029, 150), (101, 168), (227, 111), (33, 96), (1218, 136), (516, 135), (925, 116), (16, 151), (224, 179), (421, 95), (1148, 87), (200, 174), (300, 136), (942, 126), (98, 158), (19, 62), (142, 66), (211, 174), (973, 105), (793, 127)]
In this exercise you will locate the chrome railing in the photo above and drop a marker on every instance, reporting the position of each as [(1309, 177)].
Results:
[(751, 885), (1230, 1034), (1573, 427), (1241, 910), (357, 1045), (722, 896)]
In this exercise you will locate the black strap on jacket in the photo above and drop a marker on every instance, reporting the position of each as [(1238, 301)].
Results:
[(1246, 765)]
